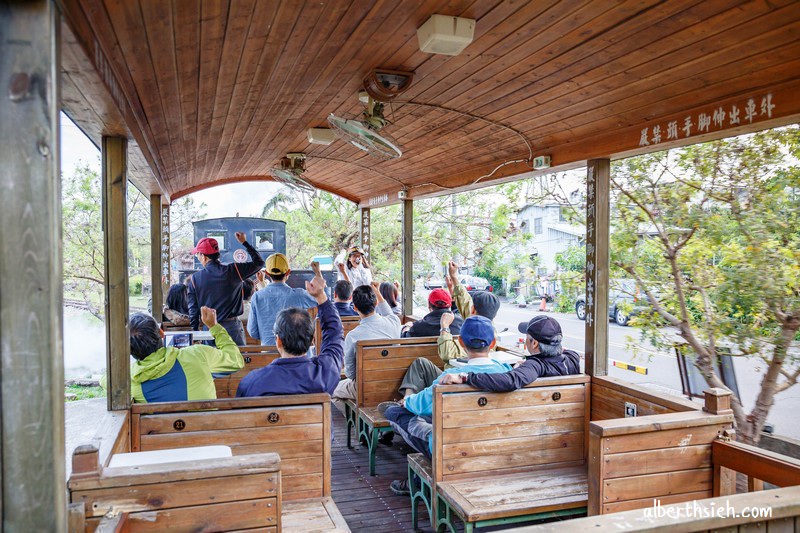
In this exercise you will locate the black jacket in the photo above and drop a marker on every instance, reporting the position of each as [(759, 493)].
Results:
[(430, 325), (219, 287), (532, 368)]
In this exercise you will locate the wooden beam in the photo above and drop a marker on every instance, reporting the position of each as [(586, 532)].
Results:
[(32, 496), (597, 222), (156, 254), (166, 250), (763, 465), (408, 257), (366, 236), (115, 234)]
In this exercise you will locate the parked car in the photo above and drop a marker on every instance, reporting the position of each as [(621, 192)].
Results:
[(624, 301), (433, 281)]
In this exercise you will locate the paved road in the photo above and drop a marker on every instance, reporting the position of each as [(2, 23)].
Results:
[(662, 367)]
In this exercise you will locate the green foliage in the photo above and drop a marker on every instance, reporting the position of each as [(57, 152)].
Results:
[(712, 231), (85, 393), (135, 285)]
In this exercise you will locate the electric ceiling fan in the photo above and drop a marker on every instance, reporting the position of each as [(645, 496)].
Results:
[(290, 172), (365, 132)]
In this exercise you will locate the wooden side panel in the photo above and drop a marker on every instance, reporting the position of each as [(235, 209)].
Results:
[(609, 396), (630, 471), (534, 427), (380, 366), (299, 434)]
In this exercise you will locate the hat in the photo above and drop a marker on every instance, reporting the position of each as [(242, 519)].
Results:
[(542, 328), (440, 298), (355, 250), (486, 304), (277, 264), (206, 246), (477, 332)]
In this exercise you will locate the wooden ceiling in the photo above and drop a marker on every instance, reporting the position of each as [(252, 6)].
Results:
[(218, 91)]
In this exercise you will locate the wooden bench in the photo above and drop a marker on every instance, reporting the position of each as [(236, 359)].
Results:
[(500, 458), (297, 427), (255, 357), (380, 367), (220, 494)]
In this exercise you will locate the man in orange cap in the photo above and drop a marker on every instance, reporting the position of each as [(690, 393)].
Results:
[(219, 286)]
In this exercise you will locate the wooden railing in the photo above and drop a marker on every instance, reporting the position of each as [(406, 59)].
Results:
[(757, 464)]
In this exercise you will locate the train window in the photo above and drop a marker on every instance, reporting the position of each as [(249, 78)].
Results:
[(220, 236), (265, 240)]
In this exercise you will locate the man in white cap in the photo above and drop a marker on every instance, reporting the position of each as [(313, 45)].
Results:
[(274, 298)]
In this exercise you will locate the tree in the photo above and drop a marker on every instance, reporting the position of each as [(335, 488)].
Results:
[(711, 234)]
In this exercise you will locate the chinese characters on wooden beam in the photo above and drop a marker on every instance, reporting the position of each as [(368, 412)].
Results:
[(165, 254), (366, 238), (754, 109), (597, 231)]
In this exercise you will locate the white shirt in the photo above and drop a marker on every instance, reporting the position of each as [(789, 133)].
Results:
[(358, 275)]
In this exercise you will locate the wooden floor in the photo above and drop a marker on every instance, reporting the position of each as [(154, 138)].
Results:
[(366, 502)]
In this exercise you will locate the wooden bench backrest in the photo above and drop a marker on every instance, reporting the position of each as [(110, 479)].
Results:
[(480, 433), (255, 357), (665, 456), (348, 324), (295, 427), (381, 365)]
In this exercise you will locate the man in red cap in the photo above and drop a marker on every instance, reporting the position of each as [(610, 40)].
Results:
[(439, 302), (219, 286)]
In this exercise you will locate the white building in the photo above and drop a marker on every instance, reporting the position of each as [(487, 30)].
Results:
[(550, 232)]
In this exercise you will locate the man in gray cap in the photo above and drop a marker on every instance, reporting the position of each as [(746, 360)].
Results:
[(547, 358)]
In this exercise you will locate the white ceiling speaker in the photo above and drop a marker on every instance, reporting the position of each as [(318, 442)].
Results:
[(324, 136), (442, 34)]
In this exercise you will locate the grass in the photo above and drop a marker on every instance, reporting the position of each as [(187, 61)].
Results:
[(85, 393)]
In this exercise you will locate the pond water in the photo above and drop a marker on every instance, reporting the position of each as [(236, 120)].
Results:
[(84, 344)]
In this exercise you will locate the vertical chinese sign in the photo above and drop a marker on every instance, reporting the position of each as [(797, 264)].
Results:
[(165, 254), (597, 223), (365, 235)]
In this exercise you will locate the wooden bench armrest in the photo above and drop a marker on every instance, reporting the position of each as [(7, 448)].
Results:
[(651, 423), (179, 471), (780, 470)]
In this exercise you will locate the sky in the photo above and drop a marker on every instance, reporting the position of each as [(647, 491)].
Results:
[(247, 199)]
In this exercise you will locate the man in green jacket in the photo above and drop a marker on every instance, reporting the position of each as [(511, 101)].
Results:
[(169, 374)]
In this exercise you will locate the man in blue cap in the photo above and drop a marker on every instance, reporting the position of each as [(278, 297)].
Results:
[(412, 418)]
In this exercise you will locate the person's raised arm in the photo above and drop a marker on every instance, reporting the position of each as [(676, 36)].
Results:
[(330, 323), (460, 295), (226, 357), (448, 348), (343, 271), (194, 309), (256, 263)]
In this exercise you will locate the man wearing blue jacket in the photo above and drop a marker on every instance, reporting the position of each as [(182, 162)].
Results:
[(219, 286), (295, 372), (413, 419)]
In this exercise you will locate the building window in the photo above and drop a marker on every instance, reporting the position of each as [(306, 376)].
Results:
[(542, 271), (563, 214), (537, 226)]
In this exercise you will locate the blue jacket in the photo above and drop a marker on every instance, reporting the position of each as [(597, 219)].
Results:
[(267, 303), (302, 375), (219, 287), (345, 308)]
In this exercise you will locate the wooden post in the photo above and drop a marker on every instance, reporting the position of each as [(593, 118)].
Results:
[(115, 235), (32, 495), (156, 254), (366, 237), (717, 401), (598, 180), (408, 257)]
